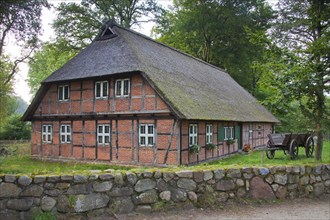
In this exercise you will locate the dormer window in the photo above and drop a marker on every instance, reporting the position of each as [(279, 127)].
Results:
[(101, 89), (122, 87), (63, 93)]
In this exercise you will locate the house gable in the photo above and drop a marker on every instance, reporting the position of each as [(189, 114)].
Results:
[(83, 101)]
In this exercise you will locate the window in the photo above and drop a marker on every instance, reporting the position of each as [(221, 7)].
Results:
[(122, 87), (65, 133), (47, 133), (103, 134), (63, 93), (147, 134), (229, 133), (259, 130), (209, 134), (192, 134), (101, 89)]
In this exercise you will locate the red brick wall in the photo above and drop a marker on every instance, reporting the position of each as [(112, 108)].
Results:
[(124, 147), (143, 98), (259, 138)]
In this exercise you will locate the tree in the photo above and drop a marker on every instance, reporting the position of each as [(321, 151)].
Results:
[(80, 23), (49, 58), (303, 28), (217, 32), (19, 19)]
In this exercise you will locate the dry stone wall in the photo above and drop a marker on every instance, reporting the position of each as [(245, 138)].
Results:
[(98, 194)]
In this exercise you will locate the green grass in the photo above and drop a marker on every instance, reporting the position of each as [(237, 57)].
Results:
[(21, 163)]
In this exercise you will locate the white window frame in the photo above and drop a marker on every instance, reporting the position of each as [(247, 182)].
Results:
[(47, 133), (101, 84), (146, 135), (193, 134), (62, 97), (209, 133), (229, 133), (66, 133), (103, 135), (122, 87), (250, 131)]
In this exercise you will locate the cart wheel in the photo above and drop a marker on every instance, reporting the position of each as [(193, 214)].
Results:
[(269, 153), (309, 147), (294, 148)]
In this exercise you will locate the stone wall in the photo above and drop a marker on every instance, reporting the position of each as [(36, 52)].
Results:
[(97, 194)]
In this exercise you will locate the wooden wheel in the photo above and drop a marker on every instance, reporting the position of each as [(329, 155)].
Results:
[(269, 153), (309, 146), (294, 148)]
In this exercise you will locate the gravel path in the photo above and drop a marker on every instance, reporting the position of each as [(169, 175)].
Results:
[(311, 209)]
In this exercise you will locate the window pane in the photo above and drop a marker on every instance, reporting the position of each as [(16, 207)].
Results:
[(60, 93), (66, 92), (195, 140), (44, 128), (68, 137), (105, 89), (100, 129), (68, 128), (195, 129), (150, 141), (118, 88), (97, 89), (142, 140), (62, 138), (126, 87), (150, 129), (99, 139), (62, 128), (49, 129), (106, 139), (106, 129), (43, 137), (49, 138), (142, 129)]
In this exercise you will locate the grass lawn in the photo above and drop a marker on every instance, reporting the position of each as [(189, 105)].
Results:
[(21, 163)]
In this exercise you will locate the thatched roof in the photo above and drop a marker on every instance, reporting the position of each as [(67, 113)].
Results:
[(193, 88)]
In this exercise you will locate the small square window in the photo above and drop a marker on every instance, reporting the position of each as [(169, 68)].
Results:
[(63, 92), (146, 135), (122, 87), (101, 89)]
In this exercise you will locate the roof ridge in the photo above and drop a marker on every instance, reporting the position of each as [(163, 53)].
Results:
[(172, 48)]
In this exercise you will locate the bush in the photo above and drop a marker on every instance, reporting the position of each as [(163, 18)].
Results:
[(210, 146), (15, 129), (195, 148)]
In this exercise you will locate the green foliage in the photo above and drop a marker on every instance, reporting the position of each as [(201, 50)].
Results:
[(45, 216), (15, 129), (195, 148), (217, 32), (79, 23), (230, 142), (49, 58), (210, 146)]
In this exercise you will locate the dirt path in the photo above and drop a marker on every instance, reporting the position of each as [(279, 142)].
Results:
[(311, 209)]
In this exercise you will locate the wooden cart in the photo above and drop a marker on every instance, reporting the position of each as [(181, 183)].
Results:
[(290, 144)]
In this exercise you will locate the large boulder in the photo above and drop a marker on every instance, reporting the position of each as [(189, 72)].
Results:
[(187, 184), (20, 204), (88, 202), (9, 190), (144, 185), (260, 189)]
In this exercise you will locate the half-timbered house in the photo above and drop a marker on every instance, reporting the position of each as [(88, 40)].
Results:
[(128, 99)]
